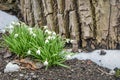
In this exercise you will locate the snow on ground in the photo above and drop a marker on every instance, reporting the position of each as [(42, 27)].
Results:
[(6, 19), (110, 60)]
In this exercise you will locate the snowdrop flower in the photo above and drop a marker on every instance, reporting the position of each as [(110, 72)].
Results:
[(45, 63), (47, 31), (29, 52), (16, 35), (30, 29), (49, 37), (68, 57), (13, 22), (17, 23), (46, 41), (11, 26), (31, 32), (45, 27), (67, 40), (53, 37), (10, 31), (34, 35), (54, 33), (71, 41), (38, 52)]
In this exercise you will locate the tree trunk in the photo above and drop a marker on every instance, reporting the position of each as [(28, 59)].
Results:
[(93, 23)]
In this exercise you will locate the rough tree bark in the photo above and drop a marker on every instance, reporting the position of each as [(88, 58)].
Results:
[(92, 23)]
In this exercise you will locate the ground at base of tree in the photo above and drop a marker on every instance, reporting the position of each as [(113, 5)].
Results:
[(80, 70)]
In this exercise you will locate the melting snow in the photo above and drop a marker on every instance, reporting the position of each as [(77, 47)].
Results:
[(6, 19), (110, 60)]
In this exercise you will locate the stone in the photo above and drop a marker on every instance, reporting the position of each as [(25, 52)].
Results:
[(11, 67), (102, 52)]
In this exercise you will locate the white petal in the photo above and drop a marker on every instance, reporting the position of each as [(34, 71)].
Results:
[(49, 32), (29, 52), (34, 35), (45, 63), (11, 26), (16, 35), (71, 41), (46, 41), (68, 57), (10, 31), (54, 33), (30, 29), (45, 27), (46, 31), (67, 40), (53, 37), (38, 52), (49, 37)]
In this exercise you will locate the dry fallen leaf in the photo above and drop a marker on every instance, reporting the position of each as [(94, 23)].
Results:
[(25, 64)]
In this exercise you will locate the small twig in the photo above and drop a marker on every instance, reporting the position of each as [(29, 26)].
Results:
[(103, 72)]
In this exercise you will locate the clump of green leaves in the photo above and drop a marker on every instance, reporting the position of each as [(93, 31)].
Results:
[(117, 73), (43, 45)]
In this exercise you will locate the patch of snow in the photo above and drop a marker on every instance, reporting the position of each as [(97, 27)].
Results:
[(6, 19), (11, 67), (110, 60)]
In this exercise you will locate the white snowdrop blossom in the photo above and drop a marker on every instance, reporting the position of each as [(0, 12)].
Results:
[(31, 32), (53, 37), (54, 33), (45, 63), (67, 40), (68, 57), (49, 37), (10, 31), (47, 31), (45, 27), (15, 23), (71, 41), (29, 52), (34, 35), (10, 26), (38, 52), (46, 41), (16, 35), (30, 29)]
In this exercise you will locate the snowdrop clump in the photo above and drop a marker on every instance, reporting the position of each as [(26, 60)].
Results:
[(25, 41)]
